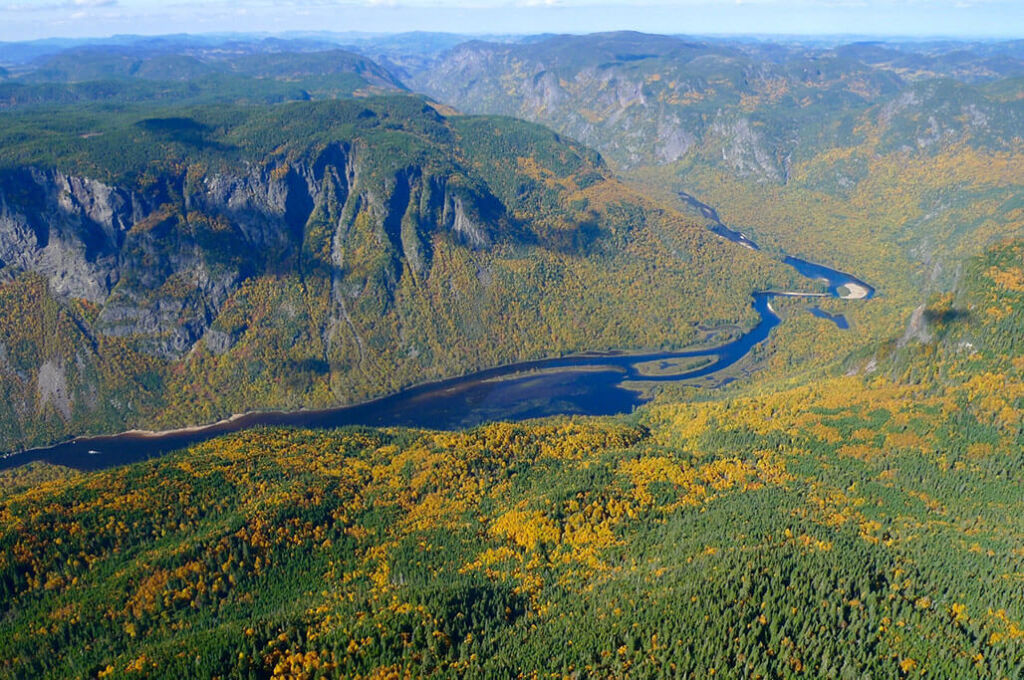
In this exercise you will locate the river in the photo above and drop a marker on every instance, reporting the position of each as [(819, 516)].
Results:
[(586, 384)]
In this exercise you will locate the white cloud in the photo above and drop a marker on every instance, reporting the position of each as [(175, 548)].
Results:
[(29, 19), (55, 6)]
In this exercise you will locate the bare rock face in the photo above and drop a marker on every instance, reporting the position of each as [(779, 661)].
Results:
[(745, 150), (161, 269), (69, 229), (218, 342), (603, 100), (917, 328), (674, 141), (472, 233), (52, 386), (158, 268)]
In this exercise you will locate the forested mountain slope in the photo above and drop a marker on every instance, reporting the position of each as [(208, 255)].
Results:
[(649, 100), (168, 267), (811, 144), (867, 526), (895, 161), (88, 64), (646, 99), (184, 74)]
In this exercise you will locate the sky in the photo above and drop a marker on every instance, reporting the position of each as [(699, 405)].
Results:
[(34, 19)]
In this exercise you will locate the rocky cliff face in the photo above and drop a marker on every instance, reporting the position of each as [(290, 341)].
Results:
[(155, 271), (161, 267), (656, 107), (70, 229), (653, 100), (374, 245)]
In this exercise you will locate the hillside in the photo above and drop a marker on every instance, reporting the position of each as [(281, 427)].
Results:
[(192, 227), (106, 63), (169, 267), (179, 74), (751, 109), (864, 526), (646, 99), (893, 160)]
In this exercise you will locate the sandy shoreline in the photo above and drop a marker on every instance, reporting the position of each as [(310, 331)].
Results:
[(794, 293), (180, 430), (144, 434), (854, 291)]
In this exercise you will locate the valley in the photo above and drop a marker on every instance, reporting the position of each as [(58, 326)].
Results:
[(381, 241), (574, 385), (611, 355)]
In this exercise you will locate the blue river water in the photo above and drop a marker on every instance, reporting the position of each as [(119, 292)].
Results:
[(838, 319), (585, 384)]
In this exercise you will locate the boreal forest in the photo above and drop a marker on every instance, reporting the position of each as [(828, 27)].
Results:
[(613, 355)]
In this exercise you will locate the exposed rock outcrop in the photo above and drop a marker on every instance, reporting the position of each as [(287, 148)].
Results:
[(52, 385), (69, 229), (917, 328), (161, 269)]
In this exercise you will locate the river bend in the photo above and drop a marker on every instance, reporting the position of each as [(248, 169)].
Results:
[(586, 384)]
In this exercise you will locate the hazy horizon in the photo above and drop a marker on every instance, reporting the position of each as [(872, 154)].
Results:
[(25, 20)]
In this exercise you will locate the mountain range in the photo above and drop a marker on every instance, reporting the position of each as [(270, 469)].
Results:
[(194, 227)]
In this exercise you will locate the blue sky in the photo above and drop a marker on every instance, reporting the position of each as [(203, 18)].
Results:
[(30, 19)]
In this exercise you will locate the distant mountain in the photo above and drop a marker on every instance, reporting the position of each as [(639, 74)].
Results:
[(750, 108), (24, 53), (197, 76), (107, 63), (405, 53), (645, 99)]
